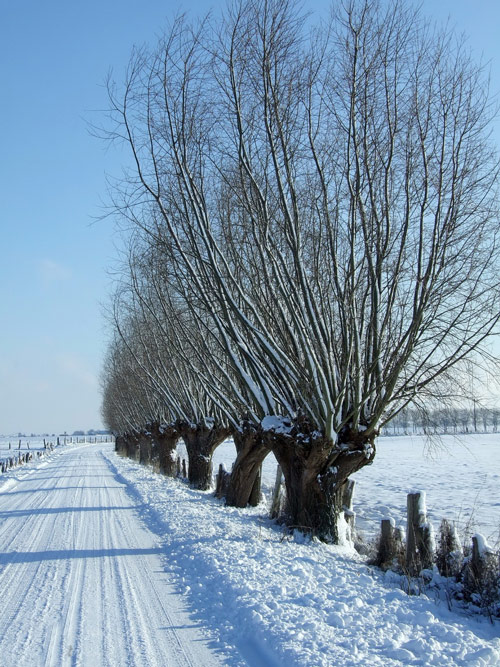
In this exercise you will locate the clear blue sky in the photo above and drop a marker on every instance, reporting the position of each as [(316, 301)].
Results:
[(54, 56)]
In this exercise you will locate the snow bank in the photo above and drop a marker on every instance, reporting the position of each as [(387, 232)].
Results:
[(281, 599)]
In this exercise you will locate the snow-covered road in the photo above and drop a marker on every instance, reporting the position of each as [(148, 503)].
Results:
[(82, 580)]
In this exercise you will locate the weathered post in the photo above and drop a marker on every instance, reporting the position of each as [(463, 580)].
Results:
[(277, 494), (419, 535), (482, 558), (386, 550), (222, 481)]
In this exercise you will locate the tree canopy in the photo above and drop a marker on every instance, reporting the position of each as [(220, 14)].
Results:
[(318, 210)]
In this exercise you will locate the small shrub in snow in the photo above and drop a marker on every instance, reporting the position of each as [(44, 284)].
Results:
[(390, 547), (449, 554), (481, 577)]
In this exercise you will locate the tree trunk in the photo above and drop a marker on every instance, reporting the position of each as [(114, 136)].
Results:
[(165, 439), (201, 442), (120, 445), (315, 471), (145, 447), (244, 484), (132, 446)]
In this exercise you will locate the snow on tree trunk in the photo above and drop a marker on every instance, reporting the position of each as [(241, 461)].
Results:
[(165, 438), (244, 483), (201, 441), (315, 471), (145, 444)]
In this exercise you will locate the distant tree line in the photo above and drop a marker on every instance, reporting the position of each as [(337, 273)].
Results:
[(453, 420)]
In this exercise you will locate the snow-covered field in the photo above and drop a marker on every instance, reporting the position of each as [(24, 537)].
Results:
[(13, 447), (104, 562)]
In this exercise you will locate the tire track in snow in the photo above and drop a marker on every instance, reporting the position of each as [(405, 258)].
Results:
[(64, 631), (31, 523)]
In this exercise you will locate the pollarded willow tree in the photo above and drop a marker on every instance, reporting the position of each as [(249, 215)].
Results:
[(328, 203), (132, 408), (163, 349)]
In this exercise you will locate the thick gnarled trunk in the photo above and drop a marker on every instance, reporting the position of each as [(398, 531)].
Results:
[(244, 483), (201, 441), (131, 446), (315, 472), (165, 438), (121, 445), (145, 444)]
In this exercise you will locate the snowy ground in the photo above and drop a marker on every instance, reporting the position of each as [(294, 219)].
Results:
[(104, 562), (13, 447)]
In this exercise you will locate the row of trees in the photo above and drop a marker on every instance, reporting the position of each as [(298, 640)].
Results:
[(449, 419), (312, 222)]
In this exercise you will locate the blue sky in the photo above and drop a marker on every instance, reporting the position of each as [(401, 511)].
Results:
[(54, 260)]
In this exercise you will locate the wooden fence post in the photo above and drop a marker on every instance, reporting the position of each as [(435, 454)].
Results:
[(277, 494), (386, 551), (419, 535), (222, 480), (482, 557)]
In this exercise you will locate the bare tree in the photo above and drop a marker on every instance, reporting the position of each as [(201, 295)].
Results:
[(130, 408), (177, 360), (328, 207)]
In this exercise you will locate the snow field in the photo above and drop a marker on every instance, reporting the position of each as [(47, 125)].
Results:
[(35, 444), (460, 477), (279, 600)]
